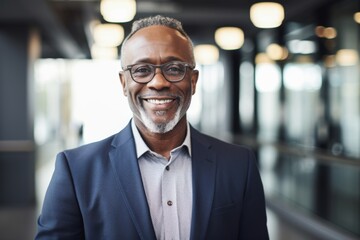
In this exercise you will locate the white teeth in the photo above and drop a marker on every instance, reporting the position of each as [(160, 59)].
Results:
[(159, 101)]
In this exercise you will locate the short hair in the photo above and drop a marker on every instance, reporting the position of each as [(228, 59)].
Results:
[(162, 21)]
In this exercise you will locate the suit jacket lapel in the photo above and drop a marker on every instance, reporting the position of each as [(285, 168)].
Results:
[(204, 170), (125, 165)]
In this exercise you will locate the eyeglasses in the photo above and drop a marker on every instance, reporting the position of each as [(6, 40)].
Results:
[(145, 72)]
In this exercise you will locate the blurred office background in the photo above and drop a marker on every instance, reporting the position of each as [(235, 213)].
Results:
[(290, 90)]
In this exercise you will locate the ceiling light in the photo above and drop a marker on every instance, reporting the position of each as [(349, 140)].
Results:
[(277, 52), (108, 35), (347, 57), (267, 14), (319, 31), (330, 33), (229, 38), (206, 54), (325, 32), (118, 10), (100, 52), (357, 17)]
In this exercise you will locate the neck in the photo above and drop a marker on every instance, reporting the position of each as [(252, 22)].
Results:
[(163, 143)]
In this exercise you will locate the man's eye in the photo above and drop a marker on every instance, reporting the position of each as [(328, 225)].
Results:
[(175, 69), (141, 70)]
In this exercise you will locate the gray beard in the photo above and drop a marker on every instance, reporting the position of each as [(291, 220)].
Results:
[(162, 127)]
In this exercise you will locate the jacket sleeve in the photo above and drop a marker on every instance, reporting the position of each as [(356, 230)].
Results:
[(60, 217), (253, 217)]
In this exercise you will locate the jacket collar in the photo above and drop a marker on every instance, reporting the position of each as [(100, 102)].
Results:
[(204, 170), (128, 177)]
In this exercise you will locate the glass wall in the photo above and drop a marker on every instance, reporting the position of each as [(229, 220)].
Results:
[(308, 113)]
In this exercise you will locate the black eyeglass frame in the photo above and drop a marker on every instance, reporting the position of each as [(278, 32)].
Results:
[(186, 65)]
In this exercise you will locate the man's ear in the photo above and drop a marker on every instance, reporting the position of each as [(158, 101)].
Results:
[(194, 79), (123, 83)]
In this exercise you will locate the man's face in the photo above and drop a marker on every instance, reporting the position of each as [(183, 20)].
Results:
[(159, 104)]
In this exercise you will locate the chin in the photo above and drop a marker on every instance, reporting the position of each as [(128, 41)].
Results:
[(162, 127)]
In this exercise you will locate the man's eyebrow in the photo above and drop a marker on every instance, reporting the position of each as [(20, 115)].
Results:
[(164, 60)]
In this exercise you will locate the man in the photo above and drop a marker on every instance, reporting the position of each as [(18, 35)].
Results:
[(158, 178)]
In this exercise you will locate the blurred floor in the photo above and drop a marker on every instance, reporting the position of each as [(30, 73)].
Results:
[(280, 229)]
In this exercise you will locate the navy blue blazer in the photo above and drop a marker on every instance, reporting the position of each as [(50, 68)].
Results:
[(96, 192)]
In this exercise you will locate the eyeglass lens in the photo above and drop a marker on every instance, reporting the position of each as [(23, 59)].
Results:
[(173, 71)]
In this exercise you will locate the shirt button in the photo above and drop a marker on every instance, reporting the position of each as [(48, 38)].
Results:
[(167, 168), (169, 203)]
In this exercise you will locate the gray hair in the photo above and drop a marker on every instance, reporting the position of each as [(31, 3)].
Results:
[(158, 20)]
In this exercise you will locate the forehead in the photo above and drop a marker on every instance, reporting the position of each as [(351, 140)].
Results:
[(157, 42)]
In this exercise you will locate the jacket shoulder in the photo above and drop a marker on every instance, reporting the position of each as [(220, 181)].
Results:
[(101, 147), (219, 144), (90, 149)]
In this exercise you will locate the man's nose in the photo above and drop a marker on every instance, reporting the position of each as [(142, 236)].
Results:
[(159, 81)]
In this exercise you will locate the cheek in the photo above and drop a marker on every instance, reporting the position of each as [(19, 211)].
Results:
[(133, 102), (132, 93), (187, 92)]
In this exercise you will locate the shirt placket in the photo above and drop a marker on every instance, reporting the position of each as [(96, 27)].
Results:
[(169, 203)]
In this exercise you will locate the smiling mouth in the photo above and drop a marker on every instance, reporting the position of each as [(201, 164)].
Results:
[(159, 101)]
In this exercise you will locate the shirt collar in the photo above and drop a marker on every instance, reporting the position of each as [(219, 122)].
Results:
[(142, 148)]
